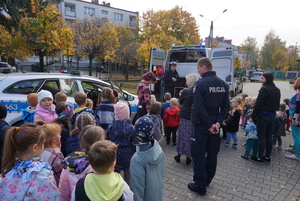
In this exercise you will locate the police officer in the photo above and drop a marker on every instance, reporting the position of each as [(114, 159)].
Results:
[(171, 78), (210, 107)]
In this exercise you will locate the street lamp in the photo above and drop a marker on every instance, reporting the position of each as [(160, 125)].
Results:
[(212, 27)]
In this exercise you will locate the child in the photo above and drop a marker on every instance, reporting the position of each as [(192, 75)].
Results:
[(232, 123), (281, 118), (242, 105), (122, 132), (76, 165), (147, 164), (152, 99), (28, 113), (24, 176), (64, 112), (105, 111), (52, 154), (45, 110), (287, 111), (165, 105), (73, 142), (246, 108), (171, 121), (89, 104), (102, 157), (3, 128), (60, 97), (251, 140), (81, 100), (154, 115)]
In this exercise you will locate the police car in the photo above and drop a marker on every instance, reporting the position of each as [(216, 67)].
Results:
[(14, 88)]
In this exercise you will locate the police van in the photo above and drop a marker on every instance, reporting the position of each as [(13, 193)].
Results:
[(186, 57)]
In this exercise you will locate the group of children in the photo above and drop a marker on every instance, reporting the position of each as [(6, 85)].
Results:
[(241, 110), (69, 153)]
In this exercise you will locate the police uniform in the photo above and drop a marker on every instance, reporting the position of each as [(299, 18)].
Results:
[(211, 105)]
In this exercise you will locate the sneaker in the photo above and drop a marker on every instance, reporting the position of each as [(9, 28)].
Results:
[(267, 159), (177, 158), (279, 148), (257, 160), (234, 145), (291, 150), (195, 188), (227, 144), (188, 160), (245, 157), (293, 157)]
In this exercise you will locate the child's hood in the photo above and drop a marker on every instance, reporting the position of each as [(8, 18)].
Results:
[(172, 110), (121, 128), (76, 162), (106, 187), (153, 155)]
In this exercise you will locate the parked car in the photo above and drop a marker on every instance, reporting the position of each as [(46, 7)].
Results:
[(6, 68), (14, 88), (255, 76)]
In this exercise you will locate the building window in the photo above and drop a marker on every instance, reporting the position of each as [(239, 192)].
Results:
[(70, 10), (104, 12), (132, 21), (118, 17), (89, 11)]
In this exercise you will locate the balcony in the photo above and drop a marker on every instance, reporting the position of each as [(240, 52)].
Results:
[(70, 13)]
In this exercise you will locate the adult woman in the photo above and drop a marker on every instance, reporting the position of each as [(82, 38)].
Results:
[(144, 93), (294, 105), (264, 113), (185, 126)]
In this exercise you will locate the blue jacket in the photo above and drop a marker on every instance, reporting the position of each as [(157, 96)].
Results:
[(211, 100), (251, 129), (147, 173)]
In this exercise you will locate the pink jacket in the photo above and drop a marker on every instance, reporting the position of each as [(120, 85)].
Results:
[(46, 115)]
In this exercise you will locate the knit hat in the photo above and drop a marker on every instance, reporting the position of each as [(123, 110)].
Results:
[(32, 99), (149, 77), (3, 111), (44, 94), (67, 112), (144, 129), (121, 111)]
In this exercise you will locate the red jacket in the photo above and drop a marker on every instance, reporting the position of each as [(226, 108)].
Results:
[(171, 118)]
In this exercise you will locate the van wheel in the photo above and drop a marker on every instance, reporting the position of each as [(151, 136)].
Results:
[(18, 124)]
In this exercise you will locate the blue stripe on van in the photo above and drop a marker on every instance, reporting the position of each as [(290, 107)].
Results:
[(14, 106)]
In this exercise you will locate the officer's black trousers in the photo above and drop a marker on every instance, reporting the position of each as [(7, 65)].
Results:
[(204, 148)]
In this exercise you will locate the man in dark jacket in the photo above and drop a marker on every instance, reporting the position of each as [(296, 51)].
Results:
[(264, 113), (210, 107), (171, 79), (3, 128)]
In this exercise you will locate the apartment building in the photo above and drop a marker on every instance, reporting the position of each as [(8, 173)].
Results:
[(77, 9)]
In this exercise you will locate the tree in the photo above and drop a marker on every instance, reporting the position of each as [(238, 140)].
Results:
[(272, 51), (250, 51), (237, 64), (96, 38)]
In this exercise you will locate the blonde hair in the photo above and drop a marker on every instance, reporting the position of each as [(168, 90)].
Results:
[(51, 131), (191, 79), (108, 94), (174, 102), (60, 97), (89, 103), (82, 120), (80, 98)]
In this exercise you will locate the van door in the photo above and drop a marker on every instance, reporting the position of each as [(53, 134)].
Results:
[(156, 65), (222, 59)]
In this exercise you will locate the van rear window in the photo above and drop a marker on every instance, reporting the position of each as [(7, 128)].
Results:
[(187, 56)]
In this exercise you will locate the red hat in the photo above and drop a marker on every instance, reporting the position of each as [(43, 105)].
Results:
[(150, 77)]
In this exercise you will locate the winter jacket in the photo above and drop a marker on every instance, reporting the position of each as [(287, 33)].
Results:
[(29, 180), (186, 102), (251, 129), (233, 121), (157, 127), (171, 118), (268, 100), (147, 173), (28, 115), (78, 111), (281, 116), (144, 94), (122, 133), (48, 116), (64, 136), (169, 83), (164, 106), (105, 114), (104, 187), (3, 128), (76, 166), (53, 157), (72, 143)]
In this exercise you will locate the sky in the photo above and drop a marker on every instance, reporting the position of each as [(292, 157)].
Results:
[(254, 18)]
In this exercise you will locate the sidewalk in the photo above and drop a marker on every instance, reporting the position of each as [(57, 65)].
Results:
[(236, 178)]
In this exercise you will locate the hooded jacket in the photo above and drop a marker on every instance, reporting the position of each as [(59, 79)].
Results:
[(171, 118), (147, 173), (76, 166), (44, 114)]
